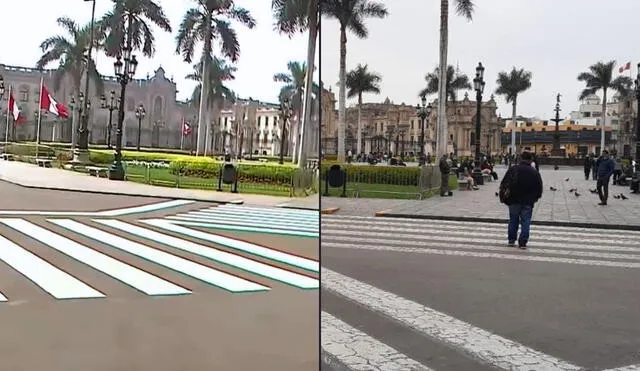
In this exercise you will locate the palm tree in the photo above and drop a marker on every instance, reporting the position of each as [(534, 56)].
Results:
[(219, 71), (510, 85), (360, 81), (454, 83), (464, 8), (295, 16), (600, 76), (351, 14), (210, 20), (69, 50)]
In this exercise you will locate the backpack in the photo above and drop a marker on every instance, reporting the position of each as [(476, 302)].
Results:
[(508, 185)]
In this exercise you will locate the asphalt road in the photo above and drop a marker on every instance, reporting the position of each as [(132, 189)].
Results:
[(177, 286), (401, 294)]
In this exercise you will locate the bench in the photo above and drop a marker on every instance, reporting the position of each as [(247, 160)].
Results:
[(263, 160), (97, 171), (7, 157), (43, 162)]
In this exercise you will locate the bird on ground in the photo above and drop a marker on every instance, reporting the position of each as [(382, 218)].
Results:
[(566, 180), (616, 197), (623, 196), (593, 191), (577, 194), (497, 194), (553, 189), (572, 190)]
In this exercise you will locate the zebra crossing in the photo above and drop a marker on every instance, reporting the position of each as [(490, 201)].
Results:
[(349, 346), (248, 267), (273, 220)]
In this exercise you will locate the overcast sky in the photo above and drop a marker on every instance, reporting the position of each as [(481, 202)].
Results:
[(263, 51), (554, 39)]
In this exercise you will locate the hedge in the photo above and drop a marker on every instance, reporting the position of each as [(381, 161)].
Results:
[(378, 174), (247, 173)]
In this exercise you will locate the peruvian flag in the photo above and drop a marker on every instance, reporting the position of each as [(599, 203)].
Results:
[(18, 117), (186, 128), (625, 67), (48, 103)]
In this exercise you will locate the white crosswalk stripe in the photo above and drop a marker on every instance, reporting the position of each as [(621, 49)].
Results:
[(595, 247), (303, 223), (24, 255)]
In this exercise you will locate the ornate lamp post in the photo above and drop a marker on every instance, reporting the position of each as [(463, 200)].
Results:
[(80, 108), (140, 113), (555, 149), (478, 85), (285, 113), (124, 73), (424, 112), (1, 87), (637, 89), (111, 105)]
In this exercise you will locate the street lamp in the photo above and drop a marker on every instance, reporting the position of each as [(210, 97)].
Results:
[(637, 88), (112, 105), (1, 86), (124, 72), (424, 112), (140, 113), (285, 113), (478, 85)]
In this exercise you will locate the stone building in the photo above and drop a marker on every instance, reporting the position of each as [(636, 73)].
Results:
[(396, 127)]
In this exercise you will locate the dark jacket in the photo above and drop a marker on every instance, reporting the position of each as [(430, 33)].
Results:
[(528, 187), (606, 167), (444, 166), (588, 163)]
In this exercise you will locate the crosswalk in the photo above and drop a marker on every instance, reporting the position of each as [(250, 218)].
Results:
[(347, 345), (101, 243)]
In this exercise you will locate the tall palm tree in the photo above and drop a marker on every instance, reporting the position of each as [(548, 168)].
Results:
[(600, 77), (219, 72), (359, 81), (464, 8), (292, 17), (69, 50), (351, 14), (209, 21), (455, 82), (510, 85)]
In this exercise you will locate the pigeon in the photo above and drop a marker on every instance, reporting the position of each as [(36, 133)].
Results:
[(572, 190), (497, 194), (566, 180), (593, 191), (616, 197), (577, 194), (623, 196), (553, 189), (556, 167)]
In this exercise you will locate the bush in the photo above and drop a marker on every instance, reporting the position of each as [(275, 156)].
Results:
[(20, 149), (246, 173), (378, 174)]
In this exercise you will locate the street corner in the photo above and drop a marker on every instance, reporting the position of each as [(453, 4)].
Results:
[(330, 210)]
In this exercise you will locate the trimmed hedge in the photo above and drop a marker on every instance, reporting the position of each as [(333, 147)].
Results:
[(247, 173), (394, 175)]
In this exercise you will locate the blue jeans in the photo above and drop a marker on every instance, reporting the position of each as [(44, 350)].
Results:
[(519, 215)]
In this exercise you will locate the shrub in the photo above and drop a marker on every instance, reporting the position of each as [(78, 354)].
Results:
[(21, 149), (247, 173), (378, 174)]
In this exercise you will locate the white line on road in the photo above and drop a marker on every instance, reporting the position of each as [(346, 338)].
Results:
[(345, 347), (273, 209), (483, 345), (248, 265), (59, 284), (245, 228), (257, 215), (145, 208), (217, 278), (134, 277), (252, 217), (273, 223), (625, 368), (262, 251), (2, 297)]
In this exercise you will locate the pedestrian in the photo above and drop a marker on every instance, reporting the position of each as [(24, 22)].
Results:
[(617, 173), (594, 169), (587, 166), (520, 189), (445, 169), (606, 168)]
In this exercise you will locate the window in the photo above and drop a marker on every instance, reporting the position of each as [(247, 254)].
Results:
[(411, 124), (23, 93)]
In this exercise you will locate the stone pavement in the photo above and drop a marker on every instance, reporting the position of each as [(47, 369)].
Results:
[(32, 176), (559, 207)]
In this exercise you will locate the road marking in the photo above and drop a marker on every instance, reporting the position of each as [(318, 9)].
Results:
[(134, 277), (59, 284), (145, 208), (248, 265), (270, 209), (240, 221), (2, 297), (255, 215), (279, 256), (252, 217), (345, 347), (625, 368), (181, 265), (483, 345), (287, 232)]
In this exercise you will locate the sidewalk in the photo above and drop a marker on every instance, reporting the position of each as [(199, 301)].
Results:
[(32, 176), (554, 208)]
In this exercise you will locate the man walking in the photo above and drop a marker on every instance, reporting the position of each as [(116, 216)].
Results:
[(445, 169), (520, 189), (606, 168)]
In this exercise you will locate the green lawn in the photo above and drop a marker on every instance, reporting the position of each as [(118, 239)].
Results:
[(386, 191)]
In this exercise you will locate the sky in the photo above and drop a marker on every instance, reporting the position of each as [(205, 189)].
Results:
[(555, 40), (264, 52)]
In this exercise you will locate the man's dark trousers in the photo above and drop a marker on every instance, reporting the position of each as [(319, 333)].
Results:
[(603, 189)]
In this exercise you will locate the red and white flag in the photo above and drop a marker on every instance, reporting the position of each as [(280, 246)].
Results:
[(15, 111), (625, 67), (48, 103), (186, 128)]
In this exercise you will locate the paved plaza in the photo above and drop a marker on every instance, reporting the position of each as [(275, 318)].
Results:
[(146, 283)]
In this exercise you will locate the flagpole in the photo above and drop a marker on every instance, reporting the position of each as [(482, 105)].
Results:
[(39, 117), (6, 129)]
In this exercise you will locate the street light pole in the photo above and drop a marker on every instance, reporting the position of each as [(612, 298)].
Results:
[(424, 112), (478, 83), (638, 120), (140, 113), (111, 106), (285, 112)]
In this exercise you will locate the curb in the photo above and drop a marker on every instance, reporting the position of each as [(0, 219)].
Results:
[(384, 214), (296, 208), (330, 210)]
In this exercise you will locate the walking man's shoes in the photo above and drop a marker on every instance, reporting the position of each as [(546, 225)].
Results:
[(512, 244), (522, 246), (602, 204)]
